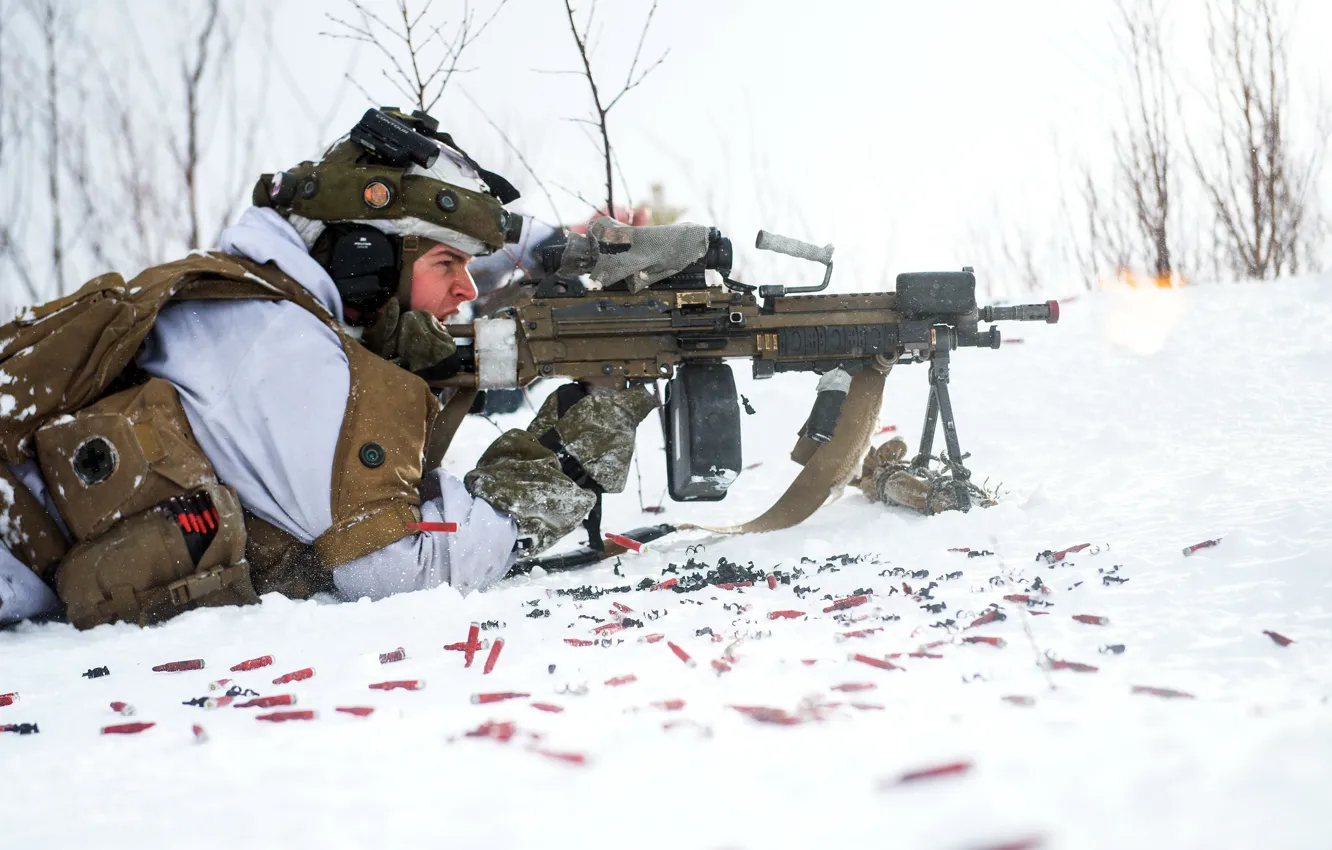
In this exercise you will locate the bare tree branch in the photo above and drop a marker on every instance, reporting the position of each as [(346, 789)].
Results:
[(420, 60), (516, 151), (44, 11), (602, 109), (1261, 190)]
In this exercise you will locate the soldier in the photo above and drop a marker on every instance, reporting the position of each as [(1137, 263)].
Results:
[(247, 421)]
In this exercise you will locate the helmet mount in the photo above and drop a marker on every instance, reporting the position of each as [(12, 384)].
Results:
[(386, 195)]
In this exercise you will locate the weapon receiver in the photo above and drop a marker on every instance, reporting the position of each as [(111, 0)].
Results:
[(684, 328)]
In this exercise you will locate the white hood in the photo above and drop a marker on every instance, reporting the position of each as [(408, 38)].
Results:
[(264, 236)]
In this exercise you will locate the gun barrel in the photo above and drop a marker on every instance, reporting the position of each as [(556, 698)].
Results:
[(1047, 312)]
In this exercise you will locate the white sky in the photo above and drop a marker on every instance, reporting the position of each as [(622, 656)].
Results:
[(895, 130)]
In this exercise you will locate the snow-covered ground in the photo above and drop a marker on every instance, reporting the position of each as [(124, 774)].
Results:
[(1144, 422)]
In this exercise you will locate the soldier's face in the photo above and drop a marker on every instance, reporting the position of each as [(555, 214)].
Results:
[(441, 283)]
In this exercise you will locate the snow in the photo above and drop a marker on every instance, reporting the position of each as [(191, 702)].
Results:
[(1143, 423)]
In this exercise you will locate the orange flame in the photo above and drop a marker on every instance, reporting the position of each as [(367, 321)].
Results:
[(1125, 277)]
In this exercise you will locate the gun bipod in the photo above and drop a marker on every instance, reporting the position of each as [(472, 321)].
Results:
[(940, 404)]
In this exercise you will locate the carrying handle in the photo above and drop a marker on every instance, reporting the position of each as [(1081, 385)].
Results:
[(793, 247), (801, 251)]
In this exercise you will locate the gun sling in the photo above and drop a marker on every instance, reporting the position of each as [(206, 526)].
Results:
[(828, 469)]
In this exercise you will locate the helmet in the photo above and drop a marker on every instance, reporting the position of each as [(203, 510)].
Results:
[(385, 194)]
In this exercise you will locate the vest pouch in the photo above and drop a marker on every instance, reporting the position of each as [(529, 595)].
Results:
[(140, 570), (119, 457)]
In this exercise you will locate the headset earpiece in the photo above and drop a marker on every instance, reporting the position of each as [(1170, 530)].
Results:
[(363, 263)]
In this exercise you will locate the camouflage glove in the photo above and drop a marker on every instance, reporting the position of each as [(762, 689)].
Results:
[(523, 478), (416, 338), (422, 341), (526, 479), (885, 477), (598, 431)]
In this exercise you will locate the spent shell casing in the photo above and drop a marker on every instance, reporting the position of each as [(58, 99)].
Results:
[(680, 653), (1092, 619), (356, 710), (847, 602), (956, 768), (493, 656), (283, 716), (179, 666), (498, 696), (473, 643), (1206, 544), (126, 728), (268, 702), (461, 646), (399, 685), (295, 676), (880, 663)]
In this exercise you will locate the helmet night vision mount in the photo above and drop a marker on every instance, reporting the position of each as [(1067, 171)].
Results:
[(381, 179)]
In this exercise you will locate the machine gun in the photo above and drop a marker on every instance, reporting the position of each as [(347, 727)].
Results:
[(665, 319)]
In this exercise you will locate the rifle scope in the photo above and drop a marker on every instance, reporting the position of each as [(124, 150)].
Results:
[(718, 257)]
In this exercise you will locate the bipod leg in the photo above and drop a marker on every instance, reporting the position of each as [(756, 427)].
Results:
[(939, 396), (922, 459)]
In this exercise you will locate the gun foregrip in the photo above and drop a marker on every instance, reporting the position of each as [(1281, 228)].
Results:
[(1047, 312)]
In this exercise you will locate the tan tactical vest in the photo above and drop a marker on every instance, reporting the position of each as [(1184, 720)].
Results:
[(60, 365)]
